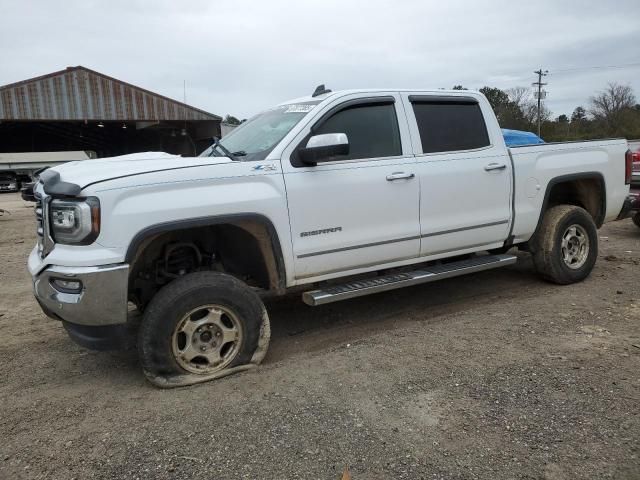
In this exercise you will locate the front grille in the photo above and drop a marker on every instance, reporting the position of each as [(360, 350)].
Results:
[(45, 242), (39, 224), (39, 217)]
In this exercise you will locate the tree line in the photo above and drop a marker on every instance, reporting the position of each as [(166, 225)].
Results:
[(611, 112)]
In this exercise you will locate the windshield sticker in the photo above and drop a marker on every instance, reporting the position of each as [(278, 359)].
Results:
[(298, 108)]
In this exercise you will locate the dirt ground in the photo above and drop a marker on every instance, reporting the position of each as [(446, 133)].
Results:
[(495, 376)]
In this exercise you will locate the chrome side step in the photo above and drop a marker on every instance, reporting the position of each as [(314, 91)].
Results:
[(368, 286)]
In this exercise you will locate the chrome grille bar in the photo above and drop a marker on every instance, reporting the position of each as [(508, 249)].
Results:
[(45, 242)]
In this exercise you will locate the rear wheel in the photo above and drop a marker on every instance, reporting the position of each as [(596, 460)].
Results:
[(566, 245), (201, 326)]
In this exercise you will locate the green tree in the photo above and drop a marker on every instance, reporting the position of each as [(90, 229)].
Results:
[(231, 120), (508, 112), (579, 114), (497, 98)]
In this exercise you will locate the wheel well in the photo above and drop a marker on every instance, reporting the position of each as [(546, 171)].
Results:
[(246, 249), (587, 192)]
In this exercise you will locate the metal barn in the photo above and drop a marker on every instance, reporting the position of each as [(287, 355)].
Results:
[(81, 109)]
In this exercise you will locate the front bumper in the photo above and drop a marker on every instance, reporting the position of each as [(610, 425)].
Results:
[(101, 301)]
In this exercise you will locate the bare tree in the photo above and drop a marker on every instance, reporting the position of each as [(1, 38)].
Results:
[(520, 95), (610, 105), (523, 98)]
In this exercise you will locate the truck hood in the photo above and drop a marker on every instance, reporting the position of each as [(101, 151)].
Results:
[(87, 172)]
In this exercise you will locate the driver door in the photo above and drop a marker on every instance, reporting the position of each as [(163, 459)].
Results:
[(358, 211)]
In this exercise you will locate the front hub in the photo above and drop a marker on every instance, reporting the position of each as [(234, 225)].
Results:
[(207, 339)]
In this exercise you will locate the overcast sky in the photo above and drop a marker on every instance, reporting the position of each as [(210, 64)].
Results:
[(240, 57)]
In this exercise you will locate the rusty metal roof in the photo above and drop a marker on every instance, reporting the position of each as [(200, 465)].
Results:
[(78, 93)]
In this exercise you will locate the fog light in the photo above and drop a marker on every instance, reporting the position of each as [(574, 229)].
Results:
[(67, 286)]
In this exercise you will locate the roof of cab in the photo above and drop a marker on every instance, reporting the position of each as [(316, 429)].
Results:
[(341, 93)]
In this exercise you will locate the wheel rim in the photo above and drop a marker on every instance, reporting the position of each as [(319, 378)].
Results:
[(207, 339), (575, 246)]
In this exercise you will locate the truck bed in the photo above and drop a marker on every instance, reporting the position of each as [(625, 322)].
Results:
[(538, 167)]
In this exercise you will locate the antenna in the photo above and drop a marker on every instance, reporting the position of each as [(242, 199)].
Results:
[(320, 90)]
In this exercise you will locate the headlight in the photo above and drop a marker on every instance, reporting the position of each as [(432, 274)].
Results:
[(75, 222)]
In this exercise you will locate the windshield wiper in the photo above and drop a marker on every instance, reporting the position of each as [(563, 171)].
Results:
[(223, 149), (240, 153)]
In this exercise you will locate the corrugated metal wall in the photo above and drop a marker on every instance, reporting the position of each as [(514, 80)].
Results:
[(82, 94)]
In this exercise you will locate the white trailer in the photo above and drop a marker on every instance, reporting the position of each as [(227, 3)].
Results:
[(18, 168)]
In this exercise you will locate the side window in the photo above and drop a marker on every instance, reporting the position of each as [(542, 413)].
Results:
[(372, 130), (448, 126)]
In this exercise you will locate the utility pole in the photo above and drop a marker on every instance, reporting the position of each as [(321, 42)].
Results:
[(541, 93)]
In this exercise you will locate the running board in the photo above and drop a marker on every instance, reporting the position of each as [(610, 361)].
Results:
[(368, 286)]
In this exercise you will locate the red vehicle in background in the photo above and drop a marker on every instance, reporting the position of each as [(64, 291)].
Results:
[(634, 146)]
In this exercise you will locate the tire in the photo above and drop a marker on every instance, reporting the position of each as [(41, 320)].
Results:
[(572, 261), (198, 315), (636, 219)]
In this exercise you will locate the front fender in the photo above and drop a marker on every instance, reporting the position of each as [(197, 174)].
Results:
[(235, 219), (135, 207)]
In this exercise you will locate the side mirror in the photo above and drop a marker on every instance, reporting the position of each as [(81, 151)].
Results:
[(322, 148)]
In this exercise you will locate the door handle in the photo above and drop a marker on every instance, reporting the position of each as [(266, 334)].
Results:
[(495, 166), (400, 176)]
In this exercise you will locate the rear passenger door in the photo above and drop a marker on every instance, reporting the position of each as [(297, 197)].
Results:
[(465, 175)]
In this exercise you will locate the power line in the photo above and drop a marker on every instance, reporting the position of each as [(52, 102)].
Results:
[(595, 67), (552, 71)]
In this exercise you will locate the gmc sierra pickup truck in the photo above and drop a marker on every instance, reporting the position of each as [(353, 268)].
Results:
[(335, 195)]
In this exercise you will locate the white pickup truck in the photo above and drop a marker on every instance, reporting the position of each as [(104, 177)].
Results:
[(335, 195)]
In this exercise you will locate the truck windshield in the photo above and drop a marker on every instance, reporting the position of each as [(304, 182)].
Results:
[(255, 138)]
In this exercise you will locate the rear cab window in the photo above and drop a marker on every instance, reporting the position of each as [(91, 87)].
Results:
[(449, 124)]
